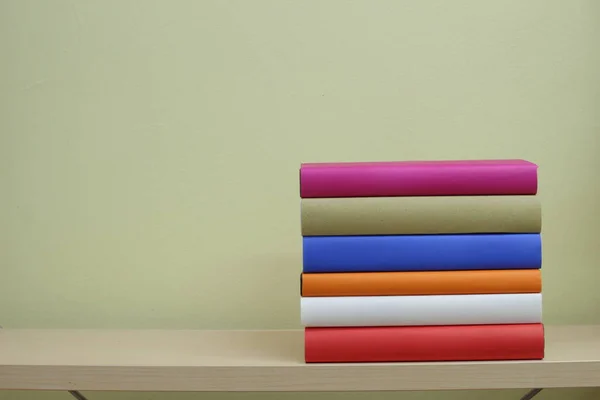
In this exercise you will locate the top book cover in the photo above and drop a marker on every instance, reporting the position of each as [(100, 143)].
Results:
[(419, 178)]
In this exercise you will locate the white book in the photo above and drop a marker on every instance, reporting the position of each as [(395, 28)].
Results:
[(475, 309)]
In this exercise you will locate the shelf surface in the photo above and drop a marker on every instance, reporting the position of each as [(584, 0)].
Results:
[(188, 360)]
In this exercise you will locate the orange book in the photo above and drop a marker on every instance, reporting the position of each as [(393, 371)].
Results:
[(421, 283)]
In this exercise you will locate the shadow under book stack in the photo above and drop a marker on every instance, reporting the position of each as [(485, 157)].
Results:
[(421, 261)]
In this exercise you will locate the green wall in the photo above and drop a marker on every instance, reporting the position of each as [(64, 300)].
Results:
[(149, 150)]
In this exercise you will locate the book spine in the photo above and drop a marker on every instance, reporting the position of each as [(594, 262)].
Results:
[(421, 283), (421, 252), (424, 343), (420, 215), (476, 309), (464, 178)]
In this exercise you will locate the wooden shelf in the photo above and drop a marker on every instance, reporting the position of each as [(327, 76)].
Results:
[(155, 360)]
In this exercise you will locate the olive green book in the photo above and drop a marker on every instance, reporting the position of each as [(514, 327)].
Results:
[(420, 215)]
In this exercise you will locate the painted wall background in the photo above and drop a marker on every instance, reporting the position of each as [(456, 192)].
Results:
[(149, 149)]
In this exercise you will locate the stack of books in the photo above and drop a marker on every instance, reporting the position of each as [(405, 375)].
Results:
[(421, 261)]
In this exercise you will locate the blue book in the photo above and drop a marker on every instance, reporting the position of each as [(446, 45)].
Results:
[(421, 252)]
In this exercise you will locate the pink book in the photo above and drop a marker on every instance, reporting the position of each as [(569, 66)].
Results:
[(418, 178)]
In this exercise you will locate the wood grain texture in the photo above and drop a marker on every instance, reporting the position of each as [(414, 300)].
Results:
[(155, 360)]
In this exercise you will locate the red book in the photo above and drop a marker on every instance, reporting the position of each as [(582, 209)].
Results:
[(424, 343)]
